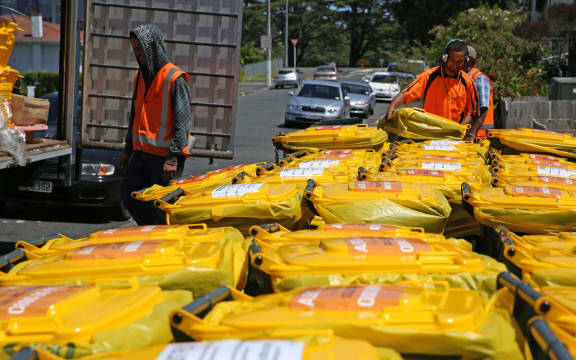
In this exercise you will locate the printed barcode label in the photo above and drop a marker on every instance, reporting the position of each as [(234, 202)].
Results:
[(306, 172), (432, 165), (445, 142), (439, 147), (234, 349), (318, 164), (557, 172), (235, 190)]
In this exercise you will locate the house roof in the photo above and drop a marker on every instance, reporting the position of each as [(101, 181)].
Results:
[(51, 31)]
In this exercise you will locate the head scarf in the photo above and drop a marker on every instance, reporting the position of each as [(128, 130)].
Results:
[(152, 41)]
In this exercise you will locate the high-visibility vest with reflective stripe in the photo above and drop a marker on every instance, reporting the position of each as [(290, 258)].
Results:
[(153, 127), (489, 119)]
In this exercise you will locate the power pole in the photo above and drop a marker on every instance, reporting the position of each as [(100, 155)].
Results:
[(286, 36), (269, 57)]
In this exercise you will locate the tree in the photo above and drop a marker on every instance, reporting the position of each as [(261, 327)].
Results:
[(510, 61)]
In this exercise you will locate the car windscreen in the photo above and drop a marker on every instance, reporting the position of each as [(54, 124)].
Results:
[(326, 69), (320, 91), (356, 89), (284, 72), (385, 79)]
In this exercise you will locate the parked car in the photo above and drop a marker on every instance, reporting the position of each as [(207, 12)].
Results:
[(329, 73), (385, 84), (291, 77), (317, 100), (96, 180), (362, 98)]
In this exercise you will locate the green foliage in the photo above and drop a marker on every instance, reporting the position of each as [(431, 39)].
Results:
[(510, 61), (45, 82), (250, 54)]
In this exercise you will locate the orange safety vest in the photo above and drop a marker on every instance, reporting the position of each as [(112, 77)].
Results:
[(489, 119), (153, 127)]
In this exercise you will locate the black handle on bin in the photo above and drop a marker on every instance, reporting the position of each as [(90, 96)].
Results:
[(506, 239), (310, 185), (466, 192), (12, 258), (173, 196), (26, 353), (239, 177), (271, 228), (256, 251), (203, 304), (553, 344), (41, 240), (362, 173), (299, 154), (522, 289)]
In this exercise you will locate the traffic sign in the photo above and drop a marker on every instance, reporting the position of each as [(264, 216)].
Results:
[(294, 42), (266, 42)]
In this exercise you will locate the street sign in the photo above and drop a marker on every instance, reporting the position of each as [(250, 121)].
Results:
[(294, 42), (266, 42), (382, 62)]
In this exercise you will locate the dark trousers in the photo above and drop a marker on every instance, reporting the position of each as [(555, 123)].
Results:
[(144, 170)]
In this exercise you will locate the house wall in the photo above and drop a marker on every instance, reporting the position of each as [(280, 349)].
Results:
[(36, 55)]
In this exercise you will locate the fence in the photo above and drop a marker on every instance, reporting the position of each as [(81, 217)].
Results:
[(538, 112), (252, 70)]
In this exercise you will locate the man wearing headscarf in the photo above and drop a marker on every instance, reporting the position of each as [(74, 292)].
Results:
[(158, 137)]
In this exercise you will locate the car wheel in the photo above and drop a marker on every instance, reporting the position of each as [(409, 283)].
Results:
[(276, 86), (372, 111), (119, 213)]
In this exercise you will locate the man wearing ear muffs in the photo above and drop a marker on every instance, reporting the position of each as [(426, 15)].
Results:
[(446, 89)]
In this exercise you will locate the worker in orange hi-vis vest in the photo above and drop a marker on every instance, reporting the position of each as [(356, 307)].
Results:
[(485, 95), (446, 89), (158, 138)]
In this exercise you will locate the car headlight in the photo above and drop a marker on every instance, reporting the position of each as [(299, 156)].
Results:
[(361, 103), (332, 110), (90, 169), (293, 107)]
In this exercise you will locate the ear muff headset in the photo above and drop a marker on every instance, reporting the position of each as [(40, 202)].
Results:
[(445, 54)]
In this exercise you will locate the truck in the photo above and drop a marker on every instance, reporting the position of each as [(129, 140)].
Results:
[(202, 38)]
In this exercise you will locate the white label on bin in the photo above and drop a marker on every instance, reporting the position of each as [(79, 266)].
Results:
[(432, 165), (133, 246), (444, 142), (234, 350), (439, 147), (87, 250), (235, 190), (306, 172), (148, 228), (318, 164), (558, 172)]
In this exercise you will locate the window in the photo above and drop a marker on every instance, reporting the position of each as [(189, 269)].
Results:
[(320, 91), (385, 79)]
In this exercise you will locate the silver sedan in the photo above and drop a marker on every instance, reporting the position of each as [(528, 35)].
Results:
[(362, 98)]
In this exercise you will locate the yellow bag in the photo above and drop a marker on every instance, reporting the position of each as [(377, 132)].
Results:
[(415, 123), (380, 202), (275, 234), (181, 257), (531, 210), (304, 348), (75, 321), (371, 260), (241, 206), (316, 138), (416, 319), (534, 141)]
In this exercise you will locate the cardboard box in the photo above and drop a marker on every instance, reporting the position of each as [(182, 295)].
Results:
[(29, 111)]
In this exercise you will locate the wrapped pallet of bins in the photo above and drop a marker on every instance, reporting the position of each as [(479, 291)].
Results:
[(191, 185), (415, 123), (545, 316), (8, 76), (541, 260), (525, 209), (328, 137), (190, 257), (384, 259), (73, 321), (419, 319), (513, 141), (241, 206), (380, 202), (319, 347)]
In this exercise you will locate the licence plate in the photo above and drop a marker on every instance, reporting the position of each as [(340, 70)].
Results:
[(38, 186)]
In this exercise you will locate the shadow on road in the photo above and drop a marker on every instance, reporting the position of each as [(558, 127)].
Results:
[(56, 213)]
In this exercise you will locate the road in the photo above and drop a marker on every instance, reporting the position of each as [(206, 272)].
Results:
[(260, 117)]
